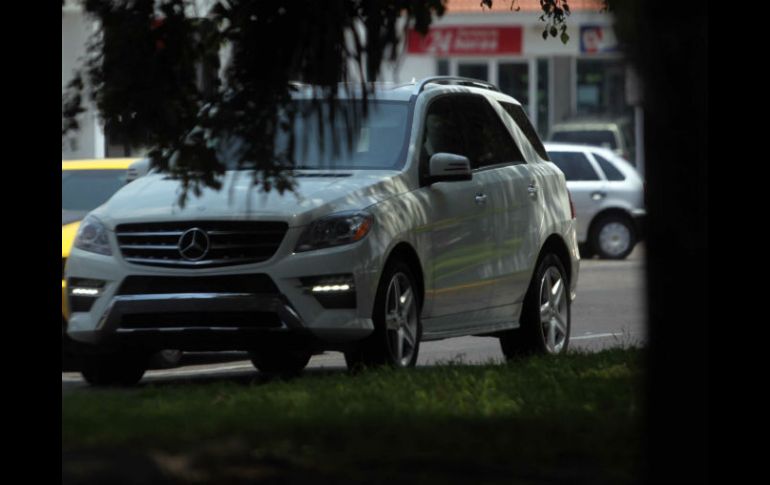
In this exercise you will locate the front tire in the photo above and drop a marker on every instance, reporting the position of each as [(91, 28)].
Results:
[(397, 328), (120, 369), (545, 317)]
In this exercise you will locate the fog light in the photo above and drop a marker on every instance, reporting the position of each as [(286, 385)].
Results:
[(330, 288), (85, 287), (332, 291)]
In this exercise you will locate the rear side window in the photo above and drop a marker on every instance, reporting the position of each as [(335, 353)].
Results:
[(520, 118), (487, 140), (575, 166), (609, 169), (599, 138)]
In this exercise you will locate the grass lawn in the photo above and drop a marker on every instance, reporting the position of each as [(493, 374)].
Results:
[(572, 418)]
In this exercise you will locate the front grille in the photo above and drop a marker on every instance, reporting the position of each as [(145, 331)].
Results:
[(201, 319), (152, 285), (229, 242)]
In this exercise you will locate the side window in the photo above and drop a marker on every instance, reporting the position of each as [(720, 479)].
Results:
[(487, 139), (609, 169), (520, 118), (575, 166), (442, 132)]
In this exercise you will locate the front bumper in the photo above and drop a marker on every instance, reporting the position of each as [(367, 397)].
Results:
[(284, 312)]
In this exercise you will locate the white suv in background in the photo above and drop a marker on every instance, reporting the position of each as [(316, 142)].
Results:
[(444, 220)]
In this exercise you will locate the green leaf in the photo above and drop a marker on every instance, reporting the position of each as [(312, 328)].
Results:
[(545, 34), (554, 31), (564, 37)]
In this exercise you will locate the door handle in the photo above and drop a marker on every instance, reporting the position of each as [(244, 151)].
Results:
[(598, 195), (481, 199)]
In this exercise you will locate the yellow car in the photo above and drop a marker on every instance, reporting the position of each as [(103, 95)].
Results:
[(85, 185)]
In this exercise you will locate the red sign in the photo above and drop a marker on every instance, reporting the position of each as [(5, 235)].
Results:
[(482, 40)]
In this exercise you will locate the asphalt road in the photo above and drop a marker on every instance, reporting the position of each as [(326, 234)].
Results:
[(609, 311)]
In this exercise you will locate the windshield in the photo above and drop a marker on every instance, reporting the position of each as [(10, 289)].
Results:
[(600, 138), (378, 143), (85, 190)]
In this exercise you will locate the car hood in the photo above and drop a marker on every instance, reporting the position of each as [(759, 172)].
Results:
[(155, 198)]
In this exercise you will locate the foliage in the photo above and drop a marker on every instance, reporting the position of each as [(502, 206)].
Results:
[(153, 73)]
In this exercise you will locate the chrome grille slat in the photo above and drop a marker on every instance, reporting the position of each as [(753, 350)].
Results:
[(149, 234), (230, 242), (149, 246)]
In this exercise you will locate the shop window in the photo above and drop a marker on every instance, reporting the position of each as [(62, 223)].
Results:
[(601, 87), (442, 67), (473, 70), (513, 80), (542, 97)]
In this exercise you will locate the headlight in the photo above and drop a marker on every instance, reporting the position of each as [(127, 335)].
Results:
[(92, 236), (335, 230)]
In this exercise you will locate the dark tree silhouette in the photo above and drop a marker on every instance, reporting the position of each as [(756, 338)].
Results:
[(145, 63)]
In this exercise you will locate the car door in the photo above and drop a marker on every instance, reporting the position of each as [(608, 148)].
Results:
[(586, 186), (505, 179), (461, 233)]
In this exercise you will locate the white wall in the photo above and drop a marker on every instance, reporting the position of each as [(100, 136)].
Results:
[(89, 140)]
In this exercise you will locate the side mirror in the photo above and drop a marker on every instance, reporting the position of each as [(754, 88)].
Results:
[(448, 167)]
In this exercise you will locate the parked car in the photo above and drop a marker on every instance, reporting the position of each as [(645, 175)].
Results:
[(86, 184), (614, 134), (609, 198), (443, 220)]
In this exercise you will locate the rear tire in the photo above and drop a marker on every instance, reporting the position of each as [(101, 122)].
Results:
[(613, 236), (397, 328), (280, 361), (545, 317), (122, 369)]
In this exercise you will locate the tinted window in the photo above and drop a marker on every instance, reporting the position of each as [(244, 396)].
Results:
[(85, 190), (609, 169), (520, 117), (575, 165), (442, 132), (488, 141), (599, 138)]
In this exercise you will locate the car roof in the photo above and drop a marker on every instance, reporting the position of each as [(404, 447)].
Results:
[(98, 164), (568, 147), (392, 91), (590, 123)]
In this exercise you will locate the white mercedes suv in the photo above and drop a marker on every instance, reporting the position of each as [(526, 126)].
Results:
[(442, 219)]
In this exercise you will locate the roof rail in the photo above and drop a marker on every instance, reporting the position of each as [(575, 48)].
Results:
[(460, 81)]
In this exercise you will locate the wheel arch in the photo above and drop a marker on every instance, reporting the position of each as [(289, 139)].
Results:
[(555, 244), (405, 252)]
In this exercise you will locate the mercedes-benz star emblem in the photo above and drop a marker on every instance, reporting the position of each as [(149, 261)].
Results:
[(194, 244)]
